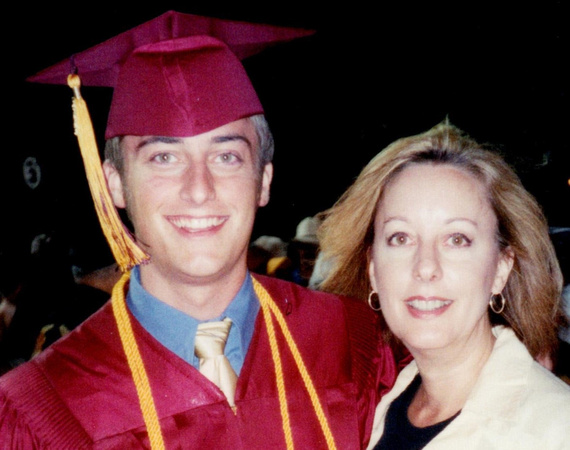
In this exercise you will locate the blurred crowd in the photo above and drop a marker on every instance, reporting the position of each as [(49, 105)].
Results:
[(44, 296)]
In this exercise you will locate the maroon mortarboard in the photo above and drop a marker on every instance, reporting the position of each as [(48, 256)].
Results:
[(176, 75), (180, 87)]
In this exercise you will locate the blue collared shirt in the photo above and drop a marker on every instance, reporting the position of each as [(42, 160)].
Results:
[(177, 330)]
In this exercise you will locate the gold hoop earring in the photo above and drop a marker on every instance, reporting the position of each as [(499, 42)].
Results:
[(374, 301), (493, 303)]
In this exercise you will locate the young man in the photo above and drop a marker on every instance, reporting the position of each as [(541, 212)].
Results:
[(189, 157)]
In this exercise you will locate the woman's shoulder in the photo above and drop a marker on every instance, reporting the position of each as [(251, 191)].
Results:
[(547, 387), (538, 384), (545, 411)]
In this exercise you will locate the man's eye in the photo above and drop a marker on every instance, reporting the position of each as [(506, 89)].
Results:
[(228, 158), (163, 158), (398, 239), (459, 240)]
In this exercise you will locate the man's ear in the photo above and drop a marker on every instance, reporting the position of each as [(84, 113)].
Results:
[(115, 184), (265, 185)]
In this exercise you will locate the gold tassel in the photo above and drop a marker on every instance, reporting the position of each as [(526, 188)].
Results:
[(125, 250)]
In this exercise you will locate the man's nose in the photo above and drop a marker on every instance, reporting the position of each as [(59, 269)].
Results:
[(197, 183)]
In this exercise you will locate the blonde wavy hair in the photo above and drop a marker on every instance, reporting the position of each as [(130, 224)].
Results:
[(533, 291)]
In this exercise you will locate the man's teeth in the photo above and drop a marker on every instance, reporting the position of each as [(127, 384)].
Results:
[(198, 223), (428, 305)]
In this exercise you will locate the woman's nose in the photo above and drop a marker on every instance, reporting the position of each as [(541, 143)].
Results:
[(427, 266)]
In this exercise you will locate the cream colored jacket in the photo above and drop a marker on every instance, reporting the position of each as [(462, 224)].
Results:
[(516, 404)]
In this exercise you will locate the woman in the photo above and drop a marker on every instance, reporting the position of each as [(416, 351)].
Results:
[(456, 255)]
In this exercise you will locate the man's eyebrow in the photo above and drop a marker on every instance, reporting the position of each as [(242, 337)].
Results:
[(158, 139), (231, 137)]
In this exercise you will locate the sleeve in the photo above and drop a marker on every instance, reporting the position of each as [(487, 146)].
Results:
[(33, 415), (374, 366), (14, 430)]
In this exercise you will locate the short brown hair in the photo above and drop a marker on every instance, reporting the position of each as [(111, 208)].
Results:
[(264, 155)]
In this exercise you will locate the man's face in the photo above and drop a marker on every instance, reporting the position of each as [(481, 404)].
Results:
[(192, 201)]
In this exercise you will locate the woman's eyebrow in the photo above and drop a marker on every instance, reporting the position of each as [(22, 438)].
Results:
[(462, 219), (394, 219)]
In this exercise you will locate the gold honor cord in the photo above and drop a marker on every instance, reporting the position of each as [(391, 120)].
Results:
[(142, 384), (280, 380), (267, 304), (136, 364)]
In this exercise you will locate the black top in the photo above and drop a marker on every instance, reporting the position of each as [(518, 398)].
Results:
[(399, 433)]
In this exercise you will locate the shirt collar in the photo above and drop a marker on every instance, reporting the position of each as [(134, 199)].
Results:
[(176, 330)]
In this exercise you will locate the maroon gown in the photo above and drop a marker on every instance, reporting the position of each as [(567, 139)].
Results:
[(79, 392)]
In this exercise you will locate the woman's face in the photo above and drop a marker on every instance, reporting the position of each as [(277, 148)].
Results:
[(435, 259)]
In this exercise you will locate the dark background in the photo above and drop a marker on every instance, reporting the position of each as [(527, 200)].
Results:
[(367, 77)]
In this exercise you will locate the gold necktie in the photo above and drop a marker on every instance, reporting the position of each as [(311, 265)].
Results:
[(209, 347)]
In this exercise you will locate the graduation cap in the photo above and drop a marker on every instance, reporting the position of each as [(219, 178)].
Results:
[(175, 75)]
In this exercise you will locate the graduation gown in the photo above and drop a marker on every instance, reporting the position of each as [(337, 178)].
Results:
[(79, 393)]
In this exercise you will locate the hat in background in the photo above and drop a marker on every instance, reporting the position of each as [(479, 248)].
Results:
[(273, 245), (307, 231)]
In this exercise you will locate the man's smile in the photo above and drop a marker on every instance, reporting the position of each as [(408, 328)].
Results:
[(196, 224)]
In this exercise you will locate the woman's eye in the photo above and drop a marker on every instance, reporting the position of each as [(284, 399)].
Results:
[(459, 240), (398, 239)]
